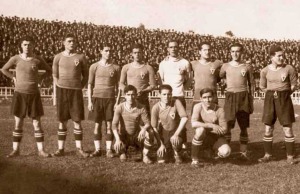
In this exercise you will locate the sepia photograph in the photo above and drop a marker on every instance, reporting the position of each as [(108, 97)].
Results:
[(149, 96)]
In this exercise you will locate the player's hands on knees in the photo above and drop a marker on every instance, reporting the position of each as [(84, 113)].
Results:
[(174, 140), (90, 106), (142, 134), (118, 145), (161, 150), (217, 129)]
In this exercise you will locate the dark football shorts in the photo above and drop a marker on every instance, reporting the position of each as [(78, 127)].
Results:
[(103, 110), (69, 104), (238, 106), (278, 105), (27, 104), (166, 136)]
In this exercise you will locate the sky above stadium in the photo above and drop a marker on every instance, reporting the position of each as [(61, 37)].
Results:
[(271, 19)]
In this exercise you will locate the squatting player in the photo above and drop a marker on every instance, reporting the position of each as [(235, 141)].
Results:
[(176, 72), (26, 99), (239, 96), (172, 117), (102, 84), (70, 74), (206, 72), (139, 75), (208, 120), (130, 114), (279, 81)]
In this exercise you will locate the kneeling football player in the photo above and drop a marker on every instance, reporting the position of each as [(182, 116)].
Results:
[(169, 118), (131, 114), (209, 123)]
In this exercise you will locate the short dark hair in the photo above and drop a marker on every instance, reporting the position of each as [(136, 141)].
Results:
[(206, 90), (172, 40), (105, 44), (129, 88), (236, 44), (204, 43), (273, 49), (137, 46), (26, 38), (165, 87), (69, 35)]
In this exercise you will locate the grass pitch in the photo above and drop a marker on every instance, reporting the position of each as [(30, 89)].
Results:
[(70, 174)]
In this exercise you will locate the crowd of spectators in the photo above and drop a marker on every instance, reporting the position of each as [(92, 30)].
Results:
[(48, 36)]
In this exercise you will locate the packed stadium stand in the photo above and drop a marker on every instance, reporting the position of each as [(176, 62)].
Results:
[(48, 36)]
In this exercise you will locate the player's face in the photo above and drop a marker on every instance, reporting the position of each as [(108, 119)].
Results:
[(130, 97), (173, 49), (27, 47), (137, 54), (105, 53), (236, 53), (165, 96), (70, 44), (205, 51), (207, 98), (277, 58)]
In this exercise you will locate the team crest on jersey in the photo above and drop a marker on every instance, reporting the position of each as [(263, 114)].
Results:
[(112, 73), (283, 77), (243, 72), (172, 115), (212, 70), (76, 61), (143, 75)]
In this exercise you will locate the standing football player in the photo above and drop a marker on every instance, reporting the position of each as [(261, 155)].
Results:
[(239, 96), (169, 117), (70, 74), (102, 84), (208, 120), (27, 98), (176, 72), (206, 72), (279, 81), (139, 75)]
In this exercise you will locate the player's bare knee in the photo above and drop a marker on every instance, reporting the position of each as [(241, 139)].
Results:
[(36, 124), (269, 130), (77, 124), (19, 123), (288, 131), (199, 133)]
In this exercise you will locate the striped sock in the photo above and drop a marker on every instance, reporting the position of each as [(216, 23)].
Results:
[(39, 136), (78, 134), (289, 144), (268, 142), (147, 143), (228, 137), (244, 139), (62, 134), (17, 135), (196, 147)]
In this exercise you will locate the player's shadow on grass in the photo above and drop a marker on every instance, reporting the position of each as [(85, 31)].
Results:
[(17, 176), (256, 151)]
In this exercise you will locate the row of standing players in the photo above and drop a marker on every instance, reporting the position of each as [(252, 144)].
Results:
[(129, 122)]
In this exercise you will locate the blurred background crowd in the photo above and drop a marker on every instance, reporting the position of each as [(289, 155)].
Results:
[(48, 36)]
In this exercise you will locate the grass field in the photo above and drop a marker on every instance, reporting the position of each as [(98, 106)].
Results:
[(70, 174)]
